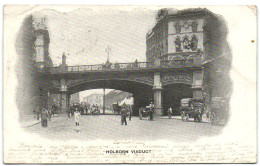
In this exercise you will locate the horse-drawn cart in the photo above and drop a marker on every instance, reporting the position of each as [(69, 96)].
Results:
[(192, 108)]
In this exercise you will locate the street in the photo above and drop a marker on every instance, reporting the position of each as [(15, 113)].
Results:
[(109, 127)]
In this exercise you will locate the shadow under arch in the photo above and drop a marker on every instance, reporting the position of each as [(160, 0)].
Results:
[(172, 95)]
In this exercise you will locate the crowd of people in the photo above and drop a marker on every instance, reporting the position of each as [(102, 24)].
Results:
[(45, 114)]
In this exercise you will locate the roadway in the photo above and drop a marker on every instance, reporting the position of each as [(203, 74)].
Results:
[(109, 127)]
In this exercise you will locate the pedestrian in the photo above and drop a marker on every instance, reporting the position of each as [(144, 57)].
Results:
[(76, 116), (151, 110), (123, 116), (170, 112), (44, 117), (140, 113)]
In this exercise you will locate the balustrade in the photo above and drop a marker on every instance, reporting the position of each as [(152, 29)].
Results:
[(123, 66)]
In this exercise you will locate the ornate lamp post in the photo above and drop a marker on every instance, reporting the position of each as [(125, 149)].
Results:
[(108, 50)]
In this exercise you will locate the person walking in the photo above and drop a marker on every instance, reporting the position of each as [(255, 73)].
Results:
[(44, 117), (151, 110), (77, 116), (170, 112), (123, 116)]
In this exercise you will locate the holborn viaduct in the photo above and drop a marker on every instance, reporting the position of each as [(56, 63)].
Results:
[(173, 70)]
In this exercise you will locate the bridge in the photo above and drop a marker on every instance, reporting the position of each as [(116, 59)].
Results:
[(158, 81)]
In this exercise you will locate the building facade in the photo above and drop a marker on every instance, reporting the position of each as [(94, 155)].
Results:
[(32, 46), (94, 99), (197, 36)]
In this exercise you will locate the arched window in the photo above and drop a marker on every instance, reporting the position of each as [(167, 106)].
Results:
[(178, 28), (194, 43), (186, 43), (194, 26), (178, 44)]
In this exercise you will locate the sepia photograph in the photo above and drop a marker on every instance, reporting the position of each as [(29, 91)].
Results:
[(129, 84)]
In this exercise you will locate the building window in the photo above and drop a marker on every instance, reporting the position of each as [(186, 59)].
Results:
[(194, 43), (194, 26), (178, 44), (186, 44), (178, 28)]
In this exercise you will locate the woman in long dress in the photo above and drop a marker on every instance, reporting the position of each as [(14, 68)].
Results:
[(77, 116)]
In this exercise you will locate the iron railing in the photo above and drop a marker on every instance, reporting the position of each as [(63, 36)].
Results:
[(124, 66)]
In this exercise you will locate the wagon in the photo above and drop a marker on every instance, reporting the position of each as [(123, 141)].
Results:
[(144, 112), (116, 108), (191, 108)]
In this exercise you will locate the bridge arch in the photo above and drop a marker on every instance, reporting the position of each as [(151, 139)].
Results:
[(172, 95), (118, 84), (142, 92)]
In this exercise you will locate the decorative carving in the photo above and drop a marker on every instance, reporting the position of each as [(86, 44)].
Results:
[(136, 78), (39, 23), (177, 78), (143, 79)]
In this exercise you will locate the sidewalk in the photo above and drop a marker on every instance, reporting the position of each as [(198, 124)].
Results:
[(30, 120), (204, 119)]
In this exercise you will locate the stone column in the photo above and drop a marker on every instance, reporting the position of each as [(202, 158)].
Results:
[(157, 91), (64, 96)]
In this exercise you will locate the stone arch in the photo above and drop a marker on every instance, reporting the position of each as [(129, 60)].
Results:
[(118, 84), (172, 95)]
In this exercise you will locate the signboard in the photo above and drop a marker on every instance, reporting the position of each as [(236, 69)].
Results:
[(177, 78)]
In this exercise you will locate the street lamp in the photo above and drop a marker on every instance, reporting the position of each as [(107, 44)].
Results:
[(104, 95)]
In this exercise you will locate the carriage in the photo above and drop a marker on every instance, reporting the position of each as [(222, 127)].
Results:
[(55, 110), (192, 108), (94, 110), (218, 110), (84, 108), (144, 112), (116, 108)]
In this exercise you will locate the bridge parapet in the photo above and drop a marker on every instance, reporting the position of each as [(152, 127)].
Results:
[(125, 66)]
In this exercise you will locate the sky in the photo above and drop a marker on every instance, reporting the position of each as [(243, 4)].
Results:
[(84, 34)]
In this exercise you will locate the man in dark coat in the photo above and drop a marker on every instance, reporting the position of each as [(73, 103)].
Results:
[(123, 116), (151, 110), (44, 117)]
